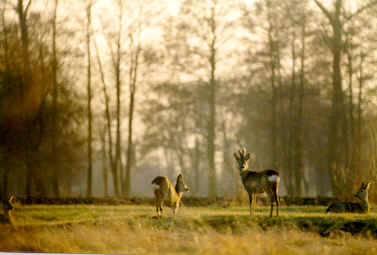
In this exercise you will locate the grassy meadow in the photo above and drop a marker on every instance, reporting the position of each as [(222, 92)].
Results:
[(131, 229)]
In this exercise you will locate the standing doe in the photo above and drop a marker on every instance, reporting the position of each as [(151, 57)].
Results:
[(258, 182), (352, 207), (168, 194)]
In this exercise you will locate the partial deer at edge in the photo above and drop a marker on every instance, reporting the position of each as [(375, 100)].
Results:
[(258, 182), (8, 206), (353, 207), (166, 193)]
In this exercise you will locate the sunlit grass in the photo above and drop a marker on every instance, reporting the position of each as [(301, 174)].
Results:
[(40, 215), (59, 214), (129, 229)]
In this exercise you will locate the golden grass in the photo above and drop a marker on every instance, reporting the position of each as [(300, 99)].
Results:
[(120, 238), (131, 230)]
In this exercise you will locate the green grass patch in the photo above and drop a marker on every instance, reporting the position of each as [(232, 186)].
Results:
[(235, 219)]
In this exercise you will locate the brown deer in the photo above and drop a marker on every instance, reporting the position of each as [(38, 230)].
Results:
[(258, 182), (166, 193), (353, 207)]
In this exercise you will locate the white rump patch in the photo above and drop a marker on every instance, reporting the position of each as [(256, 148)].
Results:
[(273, 178), (328, 213)]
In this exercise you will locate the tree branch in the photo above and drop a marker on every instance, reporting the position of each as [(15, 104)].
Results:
[(324, 10), (361, 9), (27, 7)]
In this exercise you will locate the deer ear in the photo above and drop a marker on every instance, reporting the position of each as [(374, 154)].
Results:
[(367, 185), (247, 156), (236, 157)]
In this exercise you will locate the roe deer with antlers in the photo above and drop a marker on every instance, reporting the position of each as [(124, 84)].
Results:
[(258, 182), (166, 193), (353, 207)]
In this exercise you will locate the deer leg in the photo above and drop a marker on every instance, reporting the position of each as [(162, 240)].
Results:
[(270, 194), (251, 203), (161, 205), (254, 201), (176, 208), (276, 198), (272, 205), (157, 207)]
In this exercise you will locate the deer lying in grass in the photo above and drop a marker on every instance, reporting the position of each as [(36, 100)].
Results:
[(352, 207), (166, 193), (258, 182)]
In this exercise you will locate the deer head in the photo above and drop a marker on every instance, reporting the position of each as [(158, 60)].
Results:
[(362, 193), (180, 186), (11, 198), (242, 159)]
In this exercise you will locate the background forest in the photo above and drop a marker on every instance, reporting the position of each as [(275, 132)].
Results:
[(98, 97)]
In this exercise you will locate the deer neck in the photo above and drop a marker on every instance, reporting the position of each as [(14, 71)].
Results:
[(365, 203), (244, 173), (179, 194)]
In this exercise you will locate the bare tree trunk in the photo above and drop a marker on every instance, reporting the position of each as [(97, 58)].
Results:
[(351, 158), (298, 148), (350, 94), (5, 39), (116, 64), (211, 142), (55, 178), (4, 156), (22, 12), (89, 102), (5, 175), (337, 108), (129, 154), (104, 163), (196, 166), (360, 110), (227, 160), (293, 182), (108, 120), (133, 83), (274, 100), (212, 109)]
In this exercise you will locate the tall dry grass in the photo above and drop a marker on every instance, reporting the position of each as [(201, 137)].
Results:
[(196, 230), (121, 238)]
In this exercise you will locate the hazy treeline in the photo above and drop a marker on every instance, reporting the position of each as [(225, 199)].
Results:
[(120, 91)]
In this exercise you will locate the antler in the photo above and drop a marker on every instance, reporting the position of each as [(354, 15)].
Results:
[(244, 154), (366, 185)]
